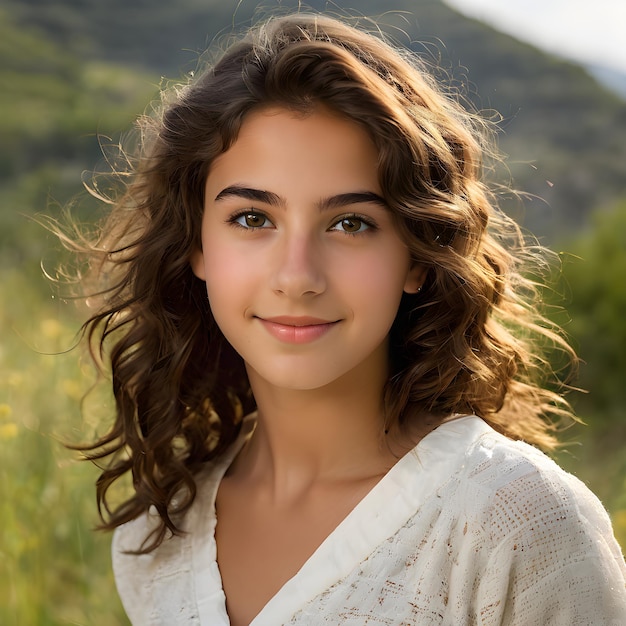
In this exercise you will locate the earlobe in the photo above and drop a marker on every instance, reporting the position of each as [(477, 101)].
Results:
[(197, 263), (415, 279)]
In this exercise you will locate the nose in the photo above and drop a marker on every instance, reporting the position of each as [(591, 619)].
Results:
[(298, 266)]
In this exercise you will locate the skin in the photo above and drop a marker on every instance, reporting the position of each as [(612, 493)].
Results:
[(304, 271)]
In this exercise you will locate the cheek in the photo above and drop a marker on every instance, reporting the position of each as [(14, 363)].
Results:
[(381, 277), (229, 276)]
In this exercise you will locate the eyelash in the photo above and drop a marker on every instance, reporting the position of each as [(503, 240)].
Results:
[(233, 220), (356, 217)]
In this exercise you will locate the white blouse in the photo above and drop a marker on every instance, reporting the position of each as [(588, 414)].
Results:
[(469, 528)]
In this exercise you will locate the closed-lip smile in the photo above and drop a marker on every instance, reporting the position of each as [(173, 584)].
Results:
[(296, 329)]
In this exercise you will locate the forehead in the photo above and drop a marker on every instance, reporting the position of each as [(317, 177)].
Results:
[(280, 145)]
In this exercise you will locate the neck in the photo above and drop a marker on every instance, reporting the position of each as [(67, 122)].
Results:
[(305, 437)]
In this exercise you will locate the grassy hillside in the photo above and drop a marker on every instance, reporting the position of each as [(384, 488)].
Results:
[(53, 104), (56, 109), (566, 135)]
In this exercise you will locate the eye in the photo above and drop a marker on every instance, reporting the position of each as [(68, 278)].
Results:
[(250, 220), (352, 225)]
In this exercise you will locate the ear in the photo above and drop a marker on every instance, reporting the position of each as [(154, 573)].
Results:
[(196, 262), (415, 279)]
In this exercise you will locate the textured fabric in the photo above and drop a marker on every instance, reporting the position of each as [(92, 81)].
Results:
[(469, 528)]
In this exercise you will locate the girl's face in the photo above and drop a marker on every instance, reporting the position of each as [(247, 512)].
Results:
[(303, 264)]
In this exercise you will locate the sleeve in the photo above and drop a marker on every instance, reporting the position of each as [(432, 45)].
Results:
[(157, 588), (132, 572), (556, 561)]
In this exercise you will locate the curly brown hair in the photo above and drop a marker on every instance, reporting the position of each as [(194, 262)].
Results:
[(471, 342)]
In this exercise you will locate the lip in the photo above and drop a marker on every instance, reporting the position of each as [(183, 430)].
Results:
[(297, 330)]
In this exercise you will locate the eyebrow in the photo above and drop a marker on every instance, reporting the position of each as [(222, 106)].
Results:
[(333, 202), (256, 195)]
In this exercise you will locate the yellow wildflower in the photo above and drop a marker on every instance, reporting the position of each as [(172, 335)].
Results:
[(51, 328), (5, 412), (8, 431)]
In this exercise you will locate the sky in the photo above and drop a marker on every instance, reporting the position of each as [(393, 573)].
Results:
[(587, 31)]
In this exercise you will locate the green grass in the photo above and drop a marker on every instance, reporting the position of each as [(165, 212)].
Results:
[(54, 569)]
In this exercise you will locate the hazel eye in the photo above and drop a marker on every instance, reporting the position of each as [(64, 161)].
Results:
[(251, 219), (351, 225)]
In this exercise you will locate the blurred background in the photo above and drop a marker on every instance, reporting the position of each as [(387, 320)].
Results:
[(73, 76)]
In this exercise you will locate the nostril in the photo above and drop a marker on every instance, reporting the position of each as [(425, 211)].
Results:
[(299, 275)]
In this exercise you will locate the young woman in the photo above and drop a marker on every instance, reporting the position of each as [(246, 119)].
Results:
[(325, 359)]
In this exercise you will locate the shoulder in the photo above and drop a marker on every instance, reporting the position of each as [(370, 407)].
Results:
[(167, 571), (505, 490), (146, 581), (513, 485), (545, 540), (160, 583), (497, 482), (522, 483)]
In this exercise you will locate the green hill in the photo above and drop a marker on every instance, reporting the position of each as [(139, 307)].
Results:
[(56, 109), (564, 133)]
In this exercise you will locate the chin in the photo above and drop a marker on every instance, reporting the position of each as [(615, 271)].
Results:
[(294, 378)]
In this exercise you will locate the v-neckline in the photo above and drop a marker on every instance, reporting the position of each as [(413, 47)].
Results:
[(378, 515)]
